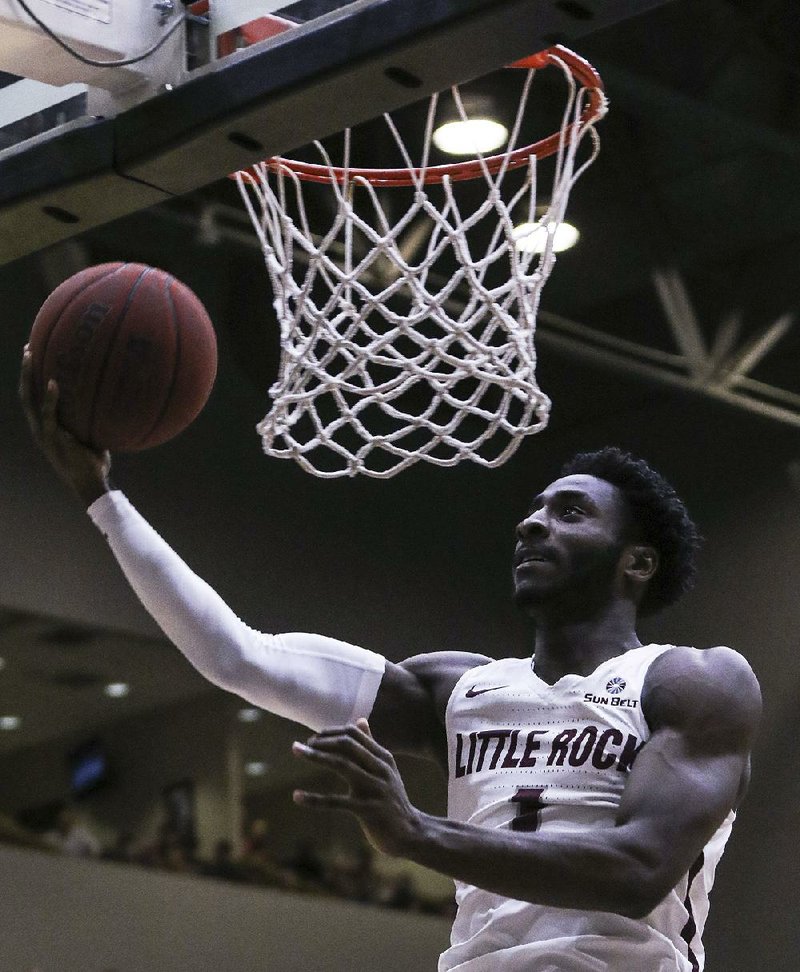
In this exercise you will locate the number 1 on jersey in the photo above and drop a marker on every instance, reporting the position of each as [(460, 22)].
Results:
[(530, 803)]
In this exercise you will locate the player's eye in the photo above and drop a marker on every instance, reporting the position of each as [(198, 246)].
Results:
[(572, 510)]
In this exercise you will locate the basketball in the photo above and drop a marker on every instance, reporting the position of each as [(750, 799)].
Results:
[(133, 351)]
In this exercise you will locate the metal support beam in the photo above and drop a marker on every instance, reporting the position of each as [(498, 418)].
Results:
[(739, 364), (677, 306), (728, 381)]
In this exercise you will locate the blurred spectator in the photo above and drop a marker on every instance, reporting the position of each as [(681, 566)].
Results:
[(347, 872), (306, 865), (72, 835), (258, 861), (175, 853), (122, 850), (255, 839), (176, 858), (303, 870), (350, 874), (398, 891), (222, 865), (12, 832), (169, 851)]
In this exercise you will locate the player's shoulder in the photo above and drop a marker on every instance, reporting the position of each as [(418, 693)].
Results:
[(438, 673), (686, 685), (715, 667), (448, 665)]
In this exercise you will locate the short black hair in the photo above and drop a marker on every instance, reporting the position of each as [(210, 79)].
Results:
[(658, 514)]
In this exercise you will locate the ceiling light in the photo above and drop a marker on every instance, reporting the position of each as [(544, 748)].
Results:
[(532, 237), (255, 768), (117, 690), (472, 137), (10, 722), (249, 715)]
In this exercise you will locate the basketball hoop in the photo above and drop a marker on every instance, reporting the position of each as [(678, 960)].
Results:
[(407, 324)]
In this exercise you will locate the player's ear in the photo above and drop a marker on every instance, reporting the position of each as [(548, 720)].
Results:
[(640, 561)]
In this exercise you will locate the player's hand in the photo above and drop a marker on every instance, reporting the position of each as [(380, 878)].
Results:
[(375, 792), (80, 466)]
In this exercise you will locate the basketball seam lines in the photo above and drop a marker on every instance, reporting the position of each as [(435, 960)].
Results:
[(175, 364), (55, 323), (111, 344)]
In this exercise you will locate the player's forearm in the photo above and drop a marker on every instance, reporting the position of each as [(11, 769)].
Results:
[(190, 613), (598, 871), (311, 679)]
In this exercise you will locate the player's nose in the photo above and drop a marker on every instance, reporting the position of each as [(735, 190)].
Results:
[(533, 525)]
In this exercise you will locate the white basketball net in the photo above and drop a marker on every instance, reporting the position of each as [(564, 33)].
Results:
[(386, 357)]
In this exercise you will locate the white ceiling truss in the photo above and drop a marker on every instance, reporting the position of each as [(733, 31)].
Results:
[(721, 371)]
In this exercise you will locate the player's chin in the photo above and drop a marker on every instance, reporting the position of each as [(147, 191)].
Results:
[(528, 596)]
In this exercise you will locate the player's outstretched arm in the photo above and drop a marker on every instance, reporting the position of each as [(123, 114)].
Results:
[(704, 709), (312, 679)]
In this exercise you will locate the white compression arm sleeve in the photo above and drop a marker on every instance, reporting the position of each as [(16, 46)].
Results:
[(311, 679)]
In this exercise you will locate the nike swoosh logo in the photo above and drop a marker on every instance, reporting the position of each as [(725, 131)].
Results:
[(471, 693)]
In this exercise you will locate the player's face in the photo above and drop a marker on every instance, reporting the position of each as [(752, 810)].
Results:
[(569, 545)]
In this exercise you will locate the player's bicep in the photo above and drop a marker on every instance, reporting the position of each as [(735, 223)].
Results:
[(674, 801), (408, 715), (705, 708), (401, 710)]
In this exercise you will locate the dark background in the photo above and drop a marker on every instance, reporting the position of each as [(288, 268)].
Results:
[(698, 176)]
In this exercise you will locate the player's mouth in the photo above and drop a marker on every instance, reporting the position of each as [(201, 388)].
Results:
[(525, 558)]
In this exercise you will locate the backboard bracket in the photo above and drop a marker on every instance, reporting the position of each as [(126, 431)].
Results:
[(342, 68)]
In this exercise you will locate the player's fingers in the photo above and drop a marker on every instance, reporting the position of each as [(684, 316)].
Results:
[(370, 743), (340, 763), (326, 801), (25, 375), (363, 745), (26, 388), (357, 748), (50, 405), (52, 432)]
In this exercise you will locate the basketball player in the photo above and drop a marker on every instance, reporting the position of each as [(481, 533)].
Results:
[(592, 786)]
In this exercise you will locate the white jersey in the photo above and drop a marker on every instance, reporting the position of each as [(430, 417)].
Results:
[(526, 755)]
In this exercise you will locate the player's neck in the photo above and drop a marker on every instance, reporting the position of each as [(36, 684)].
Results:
[(570, 646)]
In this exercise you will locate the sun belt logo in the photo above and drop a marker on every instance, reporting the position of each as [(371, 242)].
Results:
[(614, 687)]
